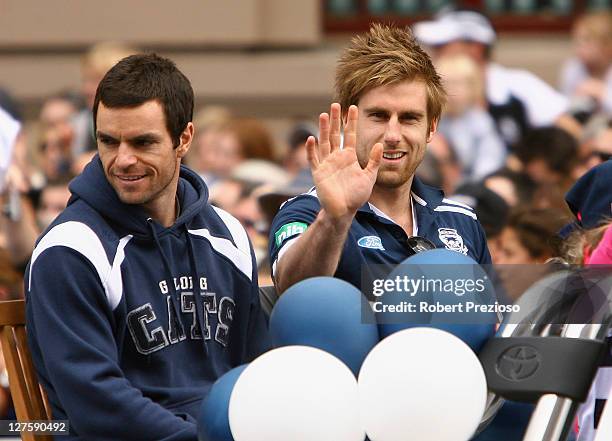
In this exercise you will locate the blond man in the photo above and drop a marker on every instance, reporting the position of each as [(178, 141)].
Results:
[(367, 205)]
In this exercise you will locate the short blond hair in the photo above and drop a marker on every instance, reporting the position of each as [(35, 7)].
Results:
[(386, 55), (102, 56)]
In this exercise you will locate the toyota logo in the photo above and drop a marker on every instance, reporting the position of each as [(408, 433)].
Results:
[(518, 363)]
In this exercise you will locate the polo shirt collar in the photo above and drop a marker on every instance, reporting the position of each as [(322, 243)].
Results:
[(424, 195), (425, 200)]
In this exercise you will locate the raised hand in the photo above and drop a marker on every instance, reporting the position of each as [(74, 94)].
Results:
[(342, 185)]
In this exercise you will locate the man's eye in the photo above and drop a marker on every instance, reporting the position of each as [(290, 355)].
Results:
[(377, 115)]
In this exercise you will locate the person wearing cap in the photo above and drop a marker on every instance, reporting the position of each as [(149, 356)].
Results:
[(589, 242), (367, 205), (517, 99)]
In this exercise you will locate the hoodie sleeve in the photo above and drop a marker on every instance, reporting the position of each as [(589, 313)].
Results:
[(256, 341), (70, 331)]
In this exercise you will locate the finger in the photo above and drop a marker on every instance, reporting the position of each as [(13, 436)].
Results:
[(375, 158), (324, 144), (335, 121), (311, 153), (350, 131)]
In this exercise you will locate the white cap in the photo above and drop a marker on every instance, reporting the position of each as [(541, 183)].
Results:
[(455, 25)]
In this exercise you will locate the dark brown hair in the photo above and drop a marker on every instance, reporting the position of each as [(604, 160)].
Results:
[(144, 77)]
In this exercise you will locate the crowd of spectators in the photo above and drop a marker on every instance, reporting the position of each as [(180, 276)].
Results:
[(507, 144)]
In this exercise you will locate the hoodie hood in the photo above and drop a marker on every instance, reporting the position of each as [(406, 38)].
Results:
[(590, 199), (92, 187)]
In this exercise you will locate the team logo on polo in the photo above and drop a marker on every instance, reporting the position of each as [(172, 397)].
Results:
[(372, 242), (452, 240)]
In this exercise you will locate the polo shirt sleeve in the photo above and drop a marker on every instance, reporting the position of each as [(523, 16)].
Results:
[(484, 257), (293, 218)]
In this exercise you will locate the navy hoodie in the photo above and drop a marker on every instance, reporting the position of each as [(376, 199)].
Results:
[(117, 306)]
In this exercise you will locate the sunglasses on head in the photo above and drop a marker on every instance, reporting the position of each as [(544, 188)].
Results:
[(418, 244), (603, 156)]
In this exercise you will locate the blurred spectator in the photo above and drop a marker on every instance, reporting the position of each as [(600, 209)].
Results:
[(254, 139), (258, 172), (587, 77), (429, 170), (18, 223), (13, 143), (224, 143), (9, 104), (17, 226), (529, 239), (239, 195), (590, 242), (549, 156), (464, 123), (271, 200), (597, 246), (515, 188), (11, 281), (447, 163), (531, 236), (599, 145), (57, 135), (515, 98), (215, 152), (248, 212), (296, 160), (98, 59), (491, 209), (53, 199), (550, 196), (602, 145), (225, 193), (10, 129)]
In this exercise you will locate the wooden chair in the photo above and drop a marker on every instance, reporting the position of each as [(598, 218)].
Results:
[(29, 398)]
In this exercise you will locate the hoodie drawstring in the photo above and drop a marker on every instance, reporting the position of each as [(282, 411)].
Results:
[(171, 287), (196, 287)]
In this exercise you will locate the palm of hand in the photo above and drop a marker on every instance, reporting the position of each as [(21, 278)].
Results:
[(342, 185)]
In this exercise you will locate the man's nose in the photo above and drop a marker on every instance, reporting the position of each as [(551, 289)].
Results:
[(392, 132), (125, 156)]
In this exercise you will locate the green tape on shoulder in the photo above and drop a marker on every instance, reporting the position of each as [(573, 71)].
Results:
[(288, 230)]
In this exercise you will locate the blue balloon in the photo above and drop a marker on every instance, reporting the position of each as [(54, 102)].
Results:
[(213, 424), (328, 314), (452, 270)]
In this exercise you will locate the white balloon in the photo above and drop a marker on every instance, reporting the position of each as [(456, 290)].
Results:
[(421, 384), (295, 393)]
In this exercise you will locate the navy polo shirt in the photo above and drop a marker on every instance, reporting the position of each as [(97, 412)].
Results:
[(374, 238)]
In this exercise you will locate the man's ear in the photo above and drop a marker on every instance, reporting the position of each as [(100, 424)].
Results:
[(432, 129), (185, 140)]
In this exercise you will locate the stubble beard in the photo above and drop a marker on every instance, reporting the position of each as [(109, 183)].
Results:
[(143, 198), (398, 177)]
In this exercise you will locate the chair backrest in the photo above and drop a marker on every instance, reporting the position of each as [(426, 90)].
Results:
[(29, 398)]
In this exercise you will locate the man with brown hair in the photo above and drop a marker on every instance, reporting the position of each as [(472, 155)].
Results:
[(140, 294), (368, 205)]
